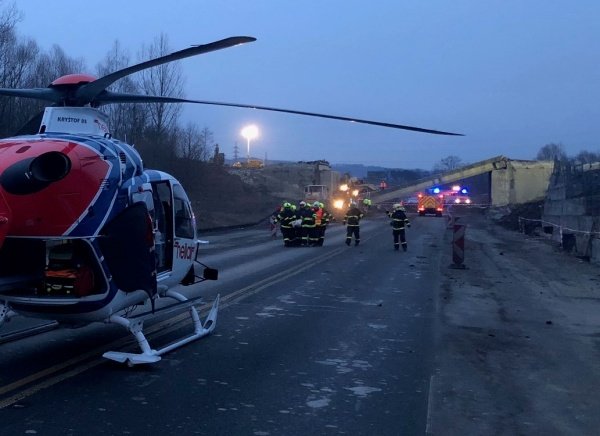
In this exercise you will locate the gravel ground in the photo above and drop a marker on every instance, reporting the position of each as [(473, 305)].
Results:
[(519, 339)]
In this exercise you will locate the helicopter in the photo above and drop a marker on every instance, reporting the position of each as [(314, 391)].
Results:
[(87, 233)]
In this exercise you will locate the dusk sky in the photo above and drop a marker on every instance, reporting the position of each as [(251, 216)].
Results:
[(511, 75)]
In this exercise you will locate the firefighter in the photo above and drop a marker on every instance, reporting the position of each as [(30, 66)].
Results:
[(352, 222), (308, 224), (297, 224), (325, 218), (367, 202), (273, 220), (285, 218), (320, 217), (398, 223)]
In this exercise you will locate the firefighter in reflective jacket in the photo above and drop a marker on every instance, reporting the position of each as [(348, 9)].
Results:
[(352, 222), (285, 218), (308, 224), (321, 221), (398, 223)]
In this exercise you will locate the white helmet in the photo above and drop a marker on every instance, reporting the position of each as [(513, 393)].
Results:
[(396, 206)]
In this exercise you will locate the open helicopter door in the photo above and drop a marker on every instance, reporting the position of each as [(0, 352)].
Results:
[(181, 246), (126, 242), (158, 200)]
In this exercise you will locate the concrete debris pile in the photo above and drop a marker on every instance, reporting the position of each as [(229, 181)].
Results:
[(508, 216)]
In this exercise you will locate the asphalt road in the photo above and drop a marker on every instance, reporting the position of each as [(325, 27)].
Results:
[(325, 340)]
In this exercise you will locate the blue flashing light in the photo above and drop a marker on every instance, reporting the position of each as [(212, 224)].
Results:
[(436, 190), (464, 190)]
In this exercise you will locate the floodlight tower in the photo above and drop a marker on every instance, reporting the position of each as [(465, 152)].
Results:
[(249, 132)]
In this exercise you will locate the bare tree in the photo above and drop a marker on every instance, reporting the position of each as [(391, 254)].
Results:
[(24, 75), (552, 151), (127, 120), (38, 70), (585, 156), (159, 143), (9, 16), (163, 80), (56, 63), (207, 139), (448, 163), (194, 144)]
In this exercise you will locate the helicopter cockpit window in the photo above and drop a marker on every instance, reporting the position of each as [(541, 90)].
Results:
[(184, 222)]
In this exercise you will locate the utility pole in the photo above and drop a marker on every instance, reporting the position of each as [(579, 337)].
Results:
[(236, 152)]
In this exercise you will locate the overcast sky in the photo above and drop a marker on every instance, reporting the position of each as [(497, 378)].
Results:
[(512, 75)]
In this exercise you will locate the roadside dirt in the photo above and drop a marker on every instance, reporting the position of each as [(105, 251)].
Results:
[(519, 338)]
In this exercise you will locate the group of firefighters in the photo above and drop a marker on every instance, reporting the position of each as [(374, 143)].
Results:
[(305, 224)]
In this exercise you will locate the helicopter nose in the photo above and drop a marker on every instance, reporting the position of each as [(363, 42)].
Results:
[(34, 174)]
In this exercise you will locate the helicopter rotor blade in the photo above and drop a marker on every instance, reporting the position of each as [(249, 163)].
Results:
[(90, 91), (37, 93), (32, 126), (111, 97), (331, 117)]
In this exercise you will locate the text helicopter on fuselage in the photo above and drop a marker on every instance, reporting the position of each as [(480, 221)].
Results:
[(86, 232)]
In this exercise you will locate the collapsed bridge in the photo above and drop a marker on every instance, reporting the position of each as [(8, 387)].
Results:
[(510, 181)]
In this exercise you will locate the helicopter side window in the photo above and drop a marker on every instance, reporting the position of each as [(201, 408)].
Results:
[(184, 221)]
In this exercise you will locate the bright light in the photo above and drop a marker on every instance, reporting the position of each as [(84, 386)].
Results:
[(355, 193), (338, 204), (464, 190), (457, 200), (436, 190), (249, 132), (344, 187), (468, 201), (456, 188)]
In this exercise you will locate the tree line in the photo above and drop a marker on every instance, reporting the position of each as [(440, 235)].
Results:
[(551, 151), (155, 129)]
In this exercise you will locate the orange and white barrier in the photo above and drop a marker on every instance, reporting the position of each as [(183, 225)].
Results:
[(458, 246)]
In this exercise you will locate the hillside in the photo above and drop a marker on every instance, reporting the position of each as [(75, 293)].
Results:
[(224, 197), (221, 199)]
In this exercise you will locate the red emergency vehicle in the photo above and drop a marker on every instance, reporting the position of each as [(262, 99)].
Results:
[(430, 204)]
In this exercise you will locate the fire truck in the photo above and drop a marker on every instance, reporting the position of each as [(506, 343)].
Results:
[(430, 204)]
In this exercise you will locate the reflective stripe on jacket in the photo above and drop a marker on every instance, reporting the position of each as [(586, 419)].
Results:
[(399, 220), (353, 217)]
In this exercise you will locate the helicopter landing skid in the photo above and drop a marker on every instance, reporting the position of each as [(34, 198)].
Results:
[(136, 325), (5, 313)]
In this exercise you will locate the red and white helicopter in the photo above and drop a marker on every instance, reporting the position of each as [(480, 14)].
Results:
[(86, 232)]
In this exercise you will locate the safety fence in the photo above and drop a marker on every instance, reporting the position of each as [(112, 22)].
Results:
[(568, 238), (525, 227)]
